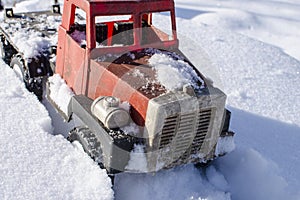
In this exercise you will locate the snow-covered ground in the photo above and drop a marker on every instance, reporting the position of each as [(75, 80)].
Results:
[(248, 48), (35, 164), (276, 22)]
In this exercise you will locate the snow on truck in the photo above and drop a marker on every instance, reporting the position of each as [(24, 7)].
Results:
[(141, 104)]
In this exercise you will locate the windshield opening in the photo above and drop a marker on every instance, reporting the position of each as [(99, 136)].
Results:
[(114, 30)]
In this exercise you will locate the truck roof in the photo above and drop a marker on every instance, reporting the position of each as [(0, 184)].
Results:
[(125, 1), (95, 7), (132, 5)]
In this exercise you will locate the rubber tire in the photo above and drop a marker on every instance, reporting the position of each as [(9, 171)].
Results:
[(82, 135), (2, 48), (34, 85), (2, 51), (76, 135)]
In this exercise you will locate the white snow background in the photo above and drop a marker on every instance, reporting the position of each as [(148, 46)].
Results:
[(249, 48)]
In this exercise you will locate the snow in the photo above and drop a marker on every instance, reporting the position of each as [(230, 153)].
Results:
[(225, 145), (243, 174), (32, 5), (60, 93), (34, 163), (125, 105), (30, 43), (131, 129), (185, 182), (246, 47), (251, 176), (271, 21), (112, 18), (181, 72), (138, 160)]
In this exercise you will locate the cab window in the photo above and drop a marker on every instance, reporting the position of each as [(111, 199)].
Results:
[(114, 30), (78, 29), (158, 28)]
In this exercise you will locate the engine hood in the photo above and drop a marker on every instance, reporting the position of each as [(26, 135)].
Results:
[(140, 76)]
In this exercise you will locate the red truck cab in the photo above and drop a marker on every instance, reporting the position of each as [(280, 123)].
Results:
[(82, 41), (141, 17)]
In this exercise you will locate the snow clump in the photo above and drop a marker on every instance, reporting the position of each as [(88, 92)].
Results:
[(225, 145), (60, 92), (174, 74), (138, 160), (30, 43)]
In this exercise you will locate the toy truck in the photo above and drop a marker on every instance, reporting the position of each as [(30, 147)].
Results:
[(142, 105)]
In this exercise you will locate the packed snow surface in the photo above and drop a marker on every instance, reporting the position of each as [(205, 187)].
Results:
[(275, 22), (261, 81)]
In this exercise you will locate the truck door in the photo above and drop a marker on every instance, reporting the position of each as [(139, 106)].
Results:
[(75, 54)]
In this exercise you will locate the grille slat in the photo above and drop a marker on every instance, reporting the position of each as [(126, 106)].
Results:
[(187, 115), (167, 136), (168, 130), (203, 126), (184, 130), (187, 123), (200, 136), (170, 124), (201, 116), (171, 118), (204, 121), (202, 131), (198, 141), (183, 142)]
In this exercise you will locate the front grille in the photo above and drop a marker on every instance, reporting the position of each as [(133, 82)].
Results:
[(168, 131), (181, 129), (185, 134), (204, 119)]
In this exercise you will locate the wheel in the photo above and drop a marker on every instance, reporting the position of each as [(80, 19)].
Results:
[(17, 64), (34, 84), (89, 142), (3, 53), (6, 50), (90, 145)]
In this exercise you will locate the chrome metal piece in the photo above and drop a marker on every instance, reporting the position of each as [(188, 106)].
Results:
[(107, 110)]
